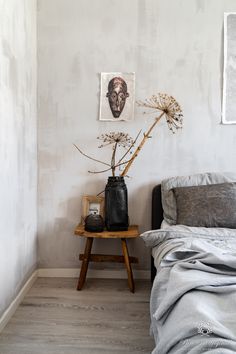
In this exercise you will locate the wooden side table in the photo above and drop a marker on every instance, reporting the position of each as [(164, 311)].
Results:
[(132, 232)]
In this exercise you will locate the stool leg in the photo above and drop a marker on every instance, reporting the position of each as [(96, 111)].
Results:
[(128, 265), (84, 267)]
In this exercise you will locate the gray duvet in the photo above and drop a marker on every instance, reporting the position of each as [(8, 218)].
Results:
[(193, 299)]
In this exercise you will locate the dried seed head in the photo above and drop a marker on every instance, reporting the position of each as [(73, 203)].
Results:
[(167, 104), (120, 138)]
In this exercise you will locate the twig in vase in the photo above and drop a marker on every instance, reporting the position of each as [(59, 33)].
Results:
[(169, 107), (131, 146), (137, 151), (117, 165), (89, 157)]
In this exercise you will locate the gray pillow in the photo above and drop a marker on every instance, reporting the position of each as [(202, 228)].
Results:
[(167, 185), (211, 205)]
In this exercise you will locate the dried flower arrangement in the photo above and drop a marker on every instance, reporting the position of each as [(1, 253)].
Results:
[(163, 103), (117, 140)]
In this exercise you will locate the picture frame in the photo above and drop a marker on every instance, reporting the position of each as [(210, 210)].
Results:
[(229, 74), (92, 204), (117, 96)]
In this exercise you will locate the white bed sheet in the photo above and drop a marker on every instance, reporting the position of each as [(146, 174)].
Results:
[(220, 235)]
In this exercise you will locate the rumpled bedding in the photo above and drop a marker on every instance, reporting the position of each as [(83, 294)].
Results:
[(193, 298)]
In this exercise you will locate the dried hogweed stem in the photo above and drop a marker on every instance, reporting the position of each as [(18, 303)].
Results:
[(129, 149), (169, 107), (90, 157), (145, 137)]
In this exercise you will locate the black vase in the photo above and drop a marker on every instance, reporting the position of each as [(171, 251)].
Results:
[(116, 205)]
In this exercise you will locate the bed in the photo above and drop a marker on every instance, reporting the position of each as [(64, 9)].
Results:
[(193, 243)]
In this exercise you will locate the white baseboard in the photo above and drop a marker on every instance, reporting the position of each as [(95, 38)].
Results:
[(92, 273), (15, 303)]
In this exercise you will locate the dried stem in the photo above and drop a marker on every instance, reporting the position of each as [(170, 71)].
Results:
[(113, 161), (134, 142), (117, 165), (100, 193), (145, 137), (89, 157), (108, 169)]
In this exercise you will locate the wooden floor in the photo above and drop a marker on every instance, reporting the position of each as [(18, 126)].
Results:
[(105, 317)]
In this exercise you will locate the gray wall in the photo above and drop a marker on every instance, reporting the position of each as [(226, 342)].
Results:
[(174, 47), (18, 153)]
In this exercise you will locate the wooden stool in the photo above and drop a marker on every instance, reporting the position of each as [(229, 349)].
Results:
[(132, 232)]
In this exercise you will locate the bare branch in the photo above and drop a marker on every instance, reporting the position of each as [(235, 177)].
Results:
[(145, 137), (100, 171), (134, 142), (89, 157), (115, 166), (113, 160), (123, 163)]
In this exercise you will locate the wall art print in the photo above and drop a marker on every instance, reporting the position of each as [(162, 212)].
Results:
[(117, 96), (229, 77)]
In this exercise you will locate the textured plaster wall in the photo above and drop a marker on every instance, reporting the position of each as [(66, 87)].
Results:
[(18, 150), (174, 47)]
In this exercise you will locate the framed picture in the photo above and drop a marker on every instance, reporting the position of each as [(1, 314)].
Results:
[(92, 204), (117, 96), (229, 77)]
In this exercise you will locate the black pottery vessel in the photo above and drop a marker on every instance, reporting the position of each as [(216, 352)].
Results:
[(94, 223), (116, 205)]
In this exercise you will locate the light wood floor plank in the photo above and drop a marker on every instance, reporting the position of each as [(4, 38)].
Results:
[(105, 317)]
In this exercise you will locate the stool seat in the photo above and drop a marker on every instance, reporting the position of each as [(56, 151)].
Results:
[(132, 232)]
